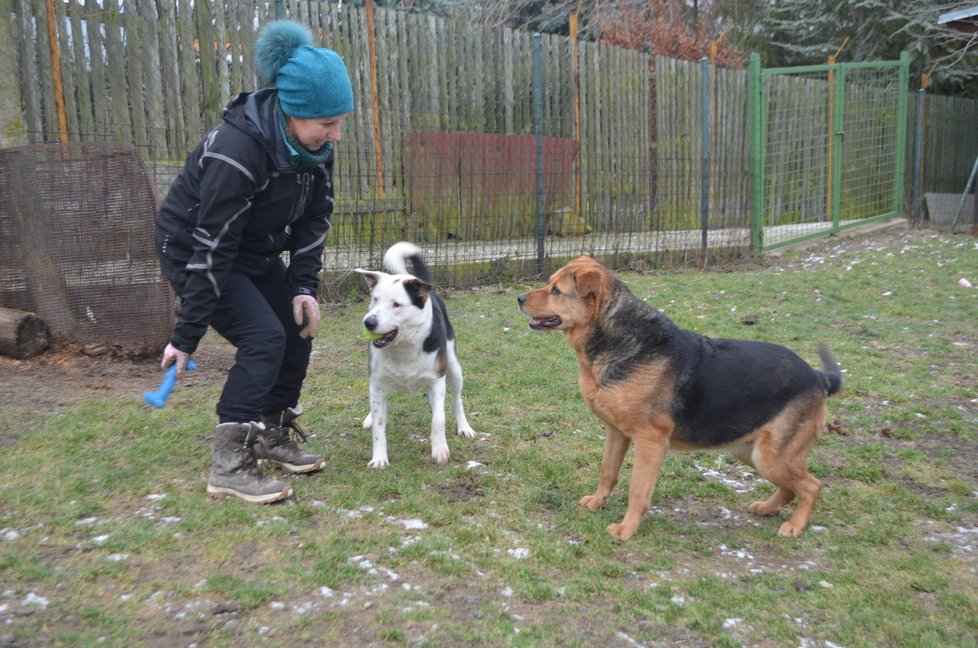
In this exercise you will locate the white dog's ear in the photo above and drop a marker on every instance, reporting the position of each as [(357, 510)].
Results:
[(418, 290), (371, 277)]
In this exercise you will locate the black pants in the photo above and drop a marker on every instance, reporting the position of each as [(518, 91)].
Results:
[(255, 315)]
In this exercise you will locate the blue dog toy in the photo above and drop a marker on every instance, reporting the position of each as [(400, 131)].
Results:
[(158, 398)]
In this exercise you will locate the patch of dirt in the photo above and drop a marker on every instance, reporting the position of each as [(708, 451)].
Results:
[(35, 388), (464, 489), (69, 374)]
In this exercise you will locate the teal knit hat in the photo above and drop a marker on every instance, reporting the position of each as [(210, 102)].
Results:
[(312, 82)]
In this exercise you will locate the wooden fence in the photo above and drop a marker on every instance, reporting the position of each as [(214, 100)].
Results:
[(157, 74), (679, 142)]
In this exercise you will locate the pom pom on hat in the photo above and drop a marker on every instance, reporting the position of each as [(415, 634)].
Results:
[(312, 82), (275, 46)]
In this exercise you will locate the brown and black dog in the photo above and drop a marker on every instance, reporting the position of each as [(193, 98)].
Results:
[(656, 385)]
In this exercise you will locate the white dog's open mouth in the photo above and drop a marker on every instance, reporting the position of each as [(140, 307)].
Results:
[(541, 323), (385, 339)]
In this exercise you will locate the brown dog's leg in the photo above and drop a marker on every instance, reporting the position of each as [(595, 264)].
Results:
[(788, 470), (773, 504), (807, 491), (782, 496), (649, 453), (806, 487), (615, 446)]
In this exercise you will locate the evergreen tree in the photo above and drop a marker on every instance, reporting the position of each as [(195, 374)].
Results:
[(798, 32), (785, 32)]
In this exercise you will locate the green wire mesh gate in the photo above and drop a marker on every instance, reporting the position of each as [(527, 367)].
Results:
[(827, 148)]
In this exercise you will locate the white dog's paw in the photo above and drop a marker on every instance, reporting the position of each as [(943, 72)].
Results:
[(368, 422), (440, 455), (379, 463), (467, 433)]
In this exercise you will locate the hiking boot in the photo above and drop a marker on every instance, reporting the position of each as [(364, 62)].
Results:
[(277, 446), (235, 471)]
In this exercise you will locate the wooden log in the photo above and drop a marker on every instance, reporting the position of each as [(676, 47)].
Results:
[(22, 334)]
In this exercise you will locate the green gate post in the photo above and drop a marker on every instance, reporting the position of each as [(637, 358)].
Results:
[(901, 129), (756, 107), (838, 140)]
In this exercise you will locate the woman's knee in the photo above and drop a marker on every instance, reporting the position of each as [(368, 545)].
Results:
[(271, 341)]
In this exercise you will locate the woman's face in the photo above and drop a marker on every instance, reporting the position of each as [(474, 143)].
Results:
[(314, 133)]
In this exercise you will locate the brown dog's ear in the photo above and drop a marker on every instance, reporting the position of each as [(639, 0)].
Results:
[(591, 282), (371, 277)]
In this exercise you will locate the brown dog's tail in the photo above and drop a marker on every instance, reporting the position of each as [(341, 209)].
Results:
[(831, 373)]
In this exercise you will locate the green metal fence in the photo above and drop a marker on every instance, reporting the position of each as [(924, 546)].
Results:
[(827, 148)]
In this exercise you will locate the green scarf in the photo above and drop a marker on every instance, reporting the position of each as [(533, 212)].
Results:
[(299, 155)]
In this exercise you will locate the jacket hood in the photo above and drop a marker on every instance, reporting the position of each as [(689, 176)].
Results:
[(254, 113)]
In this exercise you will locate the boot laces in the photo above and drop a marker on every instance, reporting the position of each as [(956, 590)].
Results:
[(292, 428), (298, 434)]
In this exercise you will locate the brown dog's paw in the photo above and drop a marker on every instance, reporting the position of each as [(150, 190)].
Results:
[(622, 531), (593, 502), (790, 530), (763, 508)]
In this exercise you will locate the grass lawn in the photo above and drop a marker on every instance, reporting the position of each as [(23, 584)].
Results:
[(107, 537)]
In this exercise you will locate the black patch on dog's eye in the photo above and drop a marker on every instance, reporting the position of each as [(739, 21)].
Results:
[(555, 291)]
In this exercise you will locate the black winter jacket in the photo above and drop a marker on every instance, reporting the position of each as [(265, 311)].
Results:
[(237, 204)]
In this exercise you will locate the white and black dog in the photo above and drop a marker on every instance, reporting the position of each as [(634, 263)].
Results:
[(413, 346)]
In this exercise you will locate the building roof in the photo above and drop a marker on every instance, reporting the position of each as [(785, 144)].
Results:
[(960, 14)]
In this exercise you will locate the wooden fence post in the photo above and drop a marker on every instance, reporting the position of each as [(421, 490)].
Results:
[(756, 107), (13, 131), (538, 137), (576, 90), (59, 88), (375, 106)]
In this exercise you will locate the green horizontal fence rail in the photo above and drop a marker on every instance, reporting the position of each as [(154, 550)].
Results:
[(827, 148)]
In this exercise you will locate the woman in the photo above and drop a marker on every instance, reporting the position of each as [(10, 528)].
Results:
[(259, 184)]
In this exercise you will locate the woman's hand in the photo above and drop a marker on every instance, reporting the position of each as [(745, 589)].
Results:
[(305, 310), (172, 354)]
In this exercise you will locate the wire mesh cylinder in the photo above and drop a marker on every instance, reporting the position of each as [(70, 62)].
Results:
[(76, 243)]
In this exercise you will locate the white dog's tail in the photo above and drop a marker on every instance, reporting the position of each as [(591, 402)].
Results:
[(397, 256)]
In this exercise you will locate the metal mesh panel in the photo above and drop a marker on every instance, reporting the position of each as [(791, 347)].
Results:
[(834, 140), (797, 156), (76, 244), (869, 154)]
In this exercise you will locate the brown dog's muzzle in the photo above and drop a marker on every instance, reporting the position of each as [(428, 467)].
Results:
[(539, 323)]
